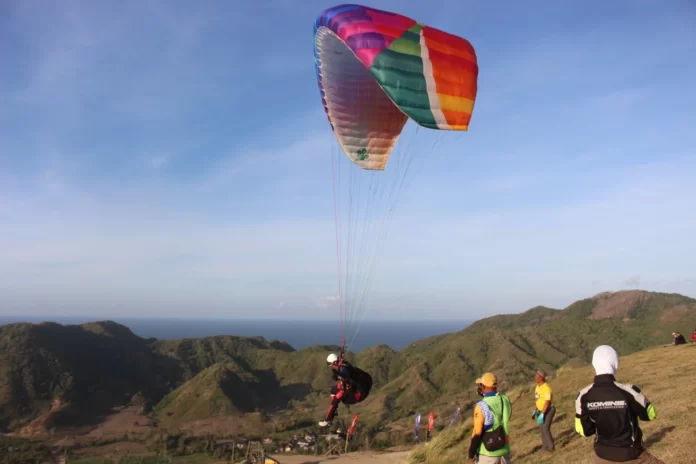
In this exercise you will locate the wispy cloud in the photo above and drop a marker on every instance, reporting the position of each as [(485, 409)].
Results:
[(158, 161), (325, 301), (623, 99), (297, 153)]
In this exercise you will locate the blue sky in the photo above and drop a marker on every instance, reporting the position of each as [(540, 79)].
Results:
[(172, 159)]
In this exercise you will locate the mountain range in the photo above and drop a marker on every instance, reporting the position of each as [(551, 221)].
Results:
[(55, 377)]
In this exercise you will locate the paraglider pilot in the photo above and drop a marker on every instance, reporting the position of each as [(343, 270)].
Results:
[(353, 385)]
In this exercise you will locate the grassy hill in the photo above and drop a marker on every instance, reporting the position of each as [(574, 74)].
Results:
[(221, 389), (430, 373), (80, 372), (660, 372)]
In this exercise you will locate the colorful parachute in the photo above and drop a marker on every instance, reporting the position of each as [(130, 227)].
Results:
[(376, 69)]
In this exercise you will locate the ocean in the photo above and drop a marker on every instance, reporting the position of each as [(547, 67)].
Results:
[(300, 334)]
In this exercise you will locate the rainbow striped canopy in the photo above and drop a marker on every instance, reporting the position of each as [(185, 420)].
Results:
[(376, 69)]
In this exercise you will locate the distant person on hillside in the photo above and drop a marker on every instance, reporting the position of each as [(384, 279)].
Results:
[(678, 338), (545, 409), (693, 336), (353, 385), (489, 439), (610, 410)]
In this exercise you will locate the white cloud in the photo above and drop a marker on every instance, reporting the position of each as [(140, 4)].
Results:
[(158, 161), (623, 99), (279, 159), (326, 301)]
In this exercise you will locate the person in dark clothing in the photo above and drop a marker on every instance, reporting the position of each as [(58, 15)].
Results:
[(678, 339), (353, 386), (611, 410)]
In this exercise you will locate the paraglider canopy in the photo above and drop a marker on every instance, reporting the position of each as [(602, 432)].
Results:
[(376, 69)]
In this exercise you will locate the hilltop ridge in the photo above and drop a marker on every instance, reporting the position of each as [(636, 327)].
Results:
[(516, 345)]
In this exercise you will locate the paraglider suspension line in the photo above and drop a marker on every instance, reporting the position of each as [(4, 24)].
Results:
[(338, 254)]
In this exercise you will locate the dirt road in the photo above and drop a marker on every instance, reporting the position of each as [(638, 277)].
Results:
[(351, 458)]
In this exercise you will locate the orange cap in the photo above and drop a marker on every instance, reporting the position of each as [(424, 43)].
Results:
[(489, 380)]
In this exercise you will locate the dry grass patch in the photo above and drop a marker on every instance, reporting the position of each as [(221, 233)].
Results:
[(667, 376)]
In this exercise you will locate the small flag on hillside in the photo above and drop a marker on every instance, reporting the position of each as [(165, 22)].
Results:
[(431, 423), (456, 413), (418, 418), (351, 430)]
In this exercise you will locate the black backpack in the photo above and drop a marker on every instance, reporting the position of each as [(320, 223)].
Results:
[(363, 378), (359, 379), (495, 440)]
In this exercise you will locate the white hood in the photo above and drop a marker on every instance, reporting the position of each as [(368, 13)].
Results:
[(605, 360)]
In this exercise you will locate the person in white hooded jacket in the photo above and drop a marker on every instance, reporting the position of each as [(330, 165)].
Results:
[(610, 410)]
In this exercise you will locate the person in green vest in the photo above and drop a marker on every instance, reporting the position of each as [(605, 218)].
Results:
[(490, 442)]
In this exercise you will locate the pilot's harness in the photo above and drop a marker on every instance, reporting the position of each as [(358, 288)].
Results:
[(341, 358)]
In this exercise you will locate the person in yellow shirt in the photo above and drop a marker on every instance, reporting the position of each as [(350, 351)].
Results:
[(544, 410), (490, 443)]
